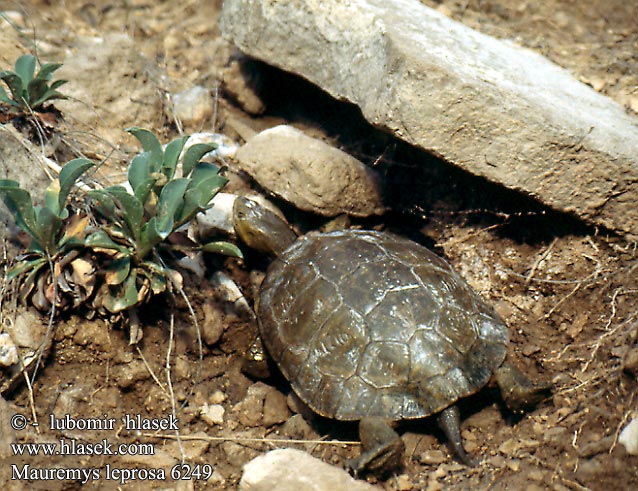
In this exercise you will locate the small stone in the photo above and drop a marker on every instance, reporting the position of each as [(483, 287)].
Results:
[(213, 414), (241, 82), (8, 351), (263, 404), (193, 106), (275, 408), (404, 483), (630, 361), (126, 376), (192, 448), (291, 470), (536, 475), (297, 428), (213, 325), (514, 465), (434, 457), (217, 397), (509, 446), (629, 437)]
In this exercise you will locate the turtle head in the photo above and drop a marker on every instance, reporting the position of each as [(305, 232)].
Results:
[(261, 229)]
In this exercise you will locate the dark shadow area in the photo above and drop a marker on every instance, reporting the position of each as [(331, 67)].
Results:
[(418, 186)]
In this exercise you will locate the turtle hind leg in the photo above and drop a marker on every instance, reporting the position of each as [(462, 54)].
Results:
[(381, 448), (450, 422), (518, 391)]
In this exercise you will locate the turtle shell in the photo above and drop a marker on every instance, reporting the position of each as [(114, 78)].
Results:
[(366, 323)]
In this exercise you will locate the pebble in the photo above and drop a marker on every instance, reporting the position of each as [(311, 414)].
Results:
[(293, 470), (192, 449), (629, 437), (213, 414), (126, 376), (193, 106), (213, 325), (404, 483), (217, 397), (8, 351), (630, 361), (434, 457), (263, 405)]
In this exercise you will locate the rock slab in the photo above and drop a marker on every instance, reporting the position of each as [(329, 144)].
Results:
[(288, 469), (488, 106)]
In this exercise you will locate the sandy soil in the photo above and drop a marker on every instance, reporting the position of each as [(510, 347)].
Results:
[(567, 291)]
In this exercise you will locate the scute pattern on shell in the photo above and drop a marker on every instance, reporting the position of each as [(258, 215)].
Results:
[(367, 323)]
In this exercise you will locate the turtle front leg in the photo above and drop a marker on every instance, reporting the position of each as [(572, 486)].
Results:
[(450, 422), (382, 447)]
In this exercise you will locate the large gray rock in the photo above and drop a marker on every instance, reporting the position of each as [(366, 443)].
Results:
[(488, 106), (292, 470)]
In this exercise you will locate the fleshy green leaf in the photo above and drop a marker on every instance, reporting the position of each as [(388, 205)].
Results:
[(18, 91), (150, 144), (25, 68), (24, 267), (138, 170), (170, 201), (132, 210), (122, 296), (49, 95), (225, 248), (69, 174), (101, 239), (4, 97), (46, 70), (192, 199), (143, 190), (102, 202), (117, 271), (193, 154), (171, 156), (48, 227), (19, 203), (36, 89)]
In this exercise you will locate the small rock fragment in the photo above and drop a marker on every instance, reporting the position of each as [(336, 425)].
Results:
[(242, 83), (128, 375), (8, 351), (630, 361), (629, 437), (212, 414), (192, 448), (213, 325), (263, 404), (291, 470), (193, 106), (433, 457), (311, 174)]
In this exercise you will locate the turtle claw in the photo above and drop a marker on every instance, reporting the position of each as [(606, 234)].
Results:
[(450, 422)]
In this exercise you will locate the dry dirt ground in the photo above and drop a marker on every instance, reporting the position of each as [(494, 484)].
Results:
[(567, 291)]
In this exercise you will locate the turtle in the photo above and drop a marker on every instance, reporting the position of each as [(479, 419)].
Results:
[(372, 327)]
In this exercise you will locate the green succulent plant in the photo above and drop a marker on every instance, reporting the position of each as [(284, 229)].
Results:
[(30, 90), (141, 219), (54, 234)]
